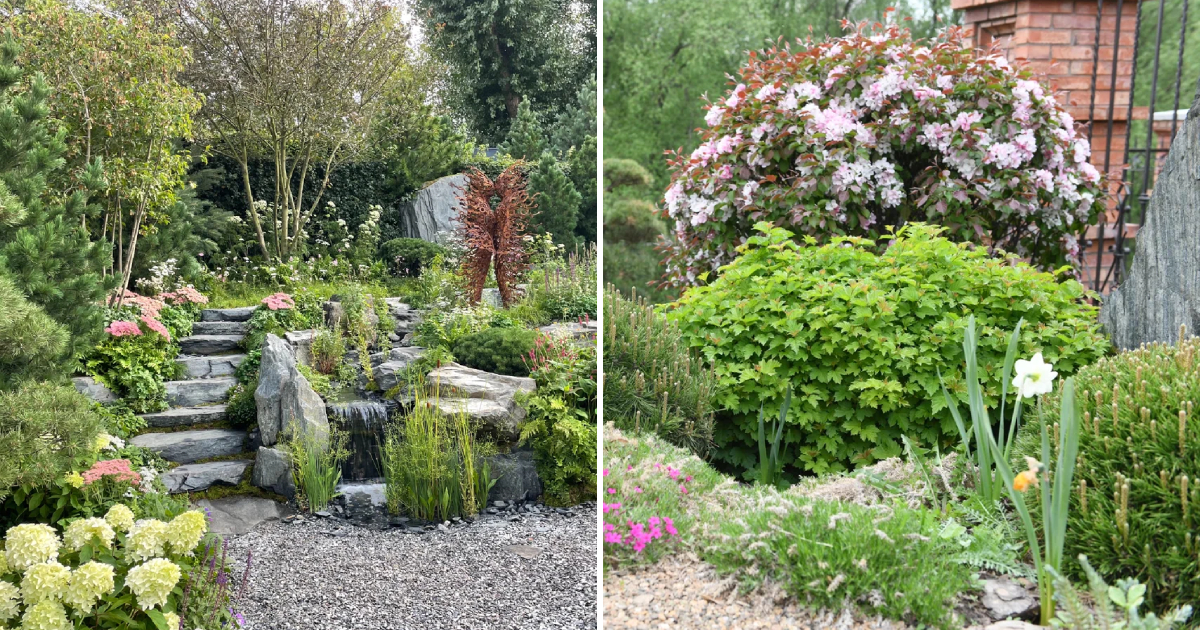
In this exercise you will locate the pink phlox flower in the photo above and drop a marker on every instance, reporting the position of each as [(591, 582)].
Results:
[(611, 507), (670, 526), (605, 472), (683, 489), (612, 490), (637, 489)]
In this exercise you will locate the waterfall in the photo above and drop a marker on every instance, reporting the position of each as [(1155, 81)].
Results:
[(363, 421)]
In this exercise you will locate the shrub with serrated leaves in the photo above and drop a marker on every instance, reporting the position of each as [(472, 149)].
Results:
[(497, 350), (861, 335), (1134, 511)]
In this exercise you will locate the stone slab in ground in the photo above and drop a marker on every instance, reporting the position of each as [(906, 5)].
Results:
[(196, 477), (210, 366), (185, 416), (240, 515), (220, 328), (93, 389), (227, 314), (210, 344), (198, 392), (185, 447)]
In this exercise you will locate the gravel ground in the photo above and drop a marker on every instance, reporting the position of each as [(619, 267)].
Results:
[(328, 576), (683, 592)]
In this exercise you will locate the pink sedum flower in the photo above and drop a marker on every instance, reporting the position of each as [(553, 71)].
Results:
[(121, 328)]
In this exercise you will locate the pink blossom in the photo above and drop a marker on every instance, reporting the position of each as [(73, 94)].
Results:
[(279, 301), (767, 92), (736, 97), (714, 116), (121, 328), (116, 468), (605, 472), (156, 326), (612, 490)]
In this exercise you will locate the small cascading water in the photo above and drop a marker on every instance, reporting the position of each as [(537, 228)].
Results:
[(363, 421)]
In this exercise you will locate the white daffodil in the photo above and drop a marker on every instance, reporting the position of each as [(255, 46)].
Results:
[(1033, 377)]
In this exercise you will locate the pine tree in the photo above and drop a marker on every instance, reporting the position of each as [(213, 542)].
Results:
[(577, 122), (43, 245), (32, 345), (582, 162), (525, 139), (556, 199)]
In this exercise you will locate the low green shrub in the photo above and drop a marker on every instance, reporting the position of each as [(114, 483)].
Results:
[(45, 431), (862, 335), (635, 269), (652, 380), (242, 411), (564, 287), (134, 360), (632, 221), (498, 350), (1134, 509), (408, 257), (120, 420), (561, 420), (277, 314), (328, 348), (442, 328)]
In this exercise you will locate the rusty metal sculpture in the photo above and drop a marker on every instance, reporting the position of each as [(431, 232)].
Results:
[(493, 219)]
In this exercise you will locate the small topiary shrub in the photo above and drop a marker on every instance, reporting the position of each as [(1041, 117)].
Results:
[(860, 338), (850, 135), (1135, 508), (497, 350), (407, 257), (632, 221)]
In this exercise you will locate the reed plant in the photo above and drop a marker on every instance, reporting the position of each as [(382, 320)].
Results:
[(317, 457)]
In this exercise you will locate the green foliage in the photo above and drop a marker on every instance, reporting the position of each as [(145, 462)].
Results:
[(652, 381), (636, 270), (444, 328), (328, 348), (581, 163), (32, 345), (119, 420), (497, 350), (632, 231), (317, 457), (135, 367), (1134, 506), (439, 285), (242, 411), (525, 139), (433, 466), (861, 336), (576, 123), (564, 287), (632, 221), (1077, 613), (561, 420), (619, 173), (44, 430), (408, 257), (556, 200), (265, 321), (416, 144), (770, 468)]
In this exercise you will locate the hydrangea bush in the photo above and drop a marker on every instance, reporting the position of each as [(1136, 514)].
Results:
[(875, 129)]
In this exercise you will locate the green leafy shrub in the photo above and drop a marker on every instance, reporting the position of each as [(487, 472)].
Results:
[(652, 381), (1134, 509), (443, 328), (632, 221), (134, 360), (635, 269), (276, 315), (120, 420), (328, 348), (563, 287), (498, 350), (44, 430), (247, 371), (242, 411), (561, 420), (861, 337), (408, 257)]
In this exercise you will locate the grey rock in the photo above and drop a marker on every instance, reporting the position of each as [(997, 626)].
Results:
[(494, 419), (195, 477), (1004, 598), (388, 373), (185, 416), (525, 551), (1013, 624), (573, 330), (210, 344), (220, 328), (273, 471), (301, 343), (491, 297), (1162, 291), (210, 366), (197, 392), (516, 478), (433, 209), (94, 389), (185, 447), (227, 314), (285, 400), (239, 515), (486, 397)]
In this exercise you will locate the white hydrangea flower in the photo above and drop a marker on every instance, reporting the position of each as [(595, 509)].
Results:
[(28, 544), (152, 582)]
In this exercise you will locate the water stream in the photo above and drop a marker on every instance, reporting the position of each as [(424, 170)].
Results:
[(363, 421)]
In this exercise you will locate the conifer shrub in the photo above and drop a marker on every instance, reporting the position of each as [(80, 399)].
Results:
[(497, 350), (860, 336), (31, 343), (1136, 504), (44, 430), (408, 257)]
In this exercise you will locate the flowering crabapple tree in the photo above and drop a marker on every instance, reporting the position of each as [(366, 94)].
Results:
[(872, 129)]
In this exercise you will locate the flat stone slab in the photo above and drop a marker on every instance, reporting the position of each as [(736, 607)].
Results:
[(185, 447), (239, 515), (220, 328), (210, 366), (185, 416), (496, 419), (94, 389), (1004, 598), (210, 344), (199, 392), (454, 380), (227, 314), (525, 551), (388, 373), (301, 343), (572, 330), (196, 477)]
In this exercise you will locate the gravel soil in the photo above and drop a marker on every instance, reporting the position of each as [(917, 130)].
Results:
[(331, 576), (683, 592)]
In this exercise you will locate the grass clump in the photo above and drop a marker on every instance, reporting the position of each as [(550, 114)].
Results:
[(317, 457)]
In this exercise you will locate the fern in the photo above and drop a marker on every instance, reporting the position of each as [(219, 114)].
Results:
[(1128, 595)]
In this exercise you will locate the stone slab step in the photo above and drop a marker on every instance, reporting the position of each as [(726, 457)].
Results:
[(210, 366), (196, 477), (220, 328), (185, 416), (210, 344), (94, 389), (227, 314), (185, 447), (199, 392)]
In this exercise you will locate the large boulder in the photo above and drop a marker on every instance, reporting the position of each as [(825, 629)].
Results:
[(516, 477), (286, 402), (433, 209), (273, 471), (389, 372), (301, 343), (487, 398), (1162, 291)]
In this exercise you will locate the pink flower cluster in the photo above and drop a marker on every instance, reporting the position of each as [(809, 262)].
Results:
[(119, 469), (121, 328), (279, 301), (148, 306), (848, 135), (156, 326), (640, 534), (185, 295)]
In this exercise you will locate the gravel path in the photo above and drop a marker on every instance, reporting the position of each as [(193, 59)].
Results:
[(328, 576), (683, 592)]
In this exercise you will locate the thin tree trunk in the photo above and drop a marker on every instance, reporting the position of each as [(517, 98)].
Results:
[(262, 241)]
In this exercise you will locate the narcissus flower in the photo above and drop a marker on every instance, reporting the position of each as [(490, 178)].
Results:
[(28, 544), (1033, 377), (1029, 477), (152, 582)]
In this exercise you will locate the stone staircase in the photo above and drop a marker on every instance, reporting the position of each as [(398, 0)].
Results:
[(208, 358)]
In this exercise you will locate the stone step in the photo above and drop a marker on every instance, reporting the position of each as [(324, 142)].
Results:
[(185, 447), (227, 314), (210, 344), (198, 392), (185, 416), (196, 477), (210, 366), (220, 328), (94, 389)]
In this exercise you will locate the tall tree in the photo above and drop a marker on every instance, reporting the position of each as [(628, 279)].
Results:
[(556, 199), (525, 139), (293, 83), (577, 121), (582, 164), (502, 52)]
